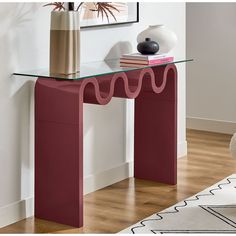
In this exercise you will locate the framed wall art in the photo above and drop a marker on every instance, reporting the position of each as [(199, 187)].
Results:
[(113, 13)]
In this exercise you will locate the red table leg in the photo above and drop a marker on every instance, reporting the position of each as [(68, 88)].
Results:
[(155, 149), (58, 153), (59, 134)]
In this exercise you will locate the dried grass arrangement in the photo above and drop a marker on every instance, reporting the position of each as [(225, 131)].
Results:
[(102, 8)]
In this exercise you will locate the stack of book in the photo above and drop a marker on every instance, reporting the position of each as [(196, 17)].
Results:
[(139, 60)]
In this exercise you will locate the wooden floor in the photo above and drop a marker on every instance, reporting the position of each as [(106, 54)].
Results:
[(120, 205)]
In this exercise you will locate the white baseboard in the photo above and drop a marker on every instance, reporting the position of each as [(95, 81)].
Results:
[(182, 149), (107, 177), (218, 126), (16, 211)]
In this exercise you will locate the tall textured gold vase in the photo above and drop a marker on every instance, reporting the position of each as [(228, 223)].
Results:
[(65, 42)]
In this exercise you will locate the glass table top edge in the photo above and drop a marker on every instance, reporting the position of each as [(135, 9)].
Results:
[(93, 69)]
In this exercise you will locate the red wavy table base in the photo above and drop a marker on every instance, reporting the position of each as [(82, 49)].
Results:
[(59, 134)]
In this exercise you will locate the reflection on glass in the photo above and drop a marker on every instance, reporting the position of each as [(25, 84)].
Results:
[(92, 69)]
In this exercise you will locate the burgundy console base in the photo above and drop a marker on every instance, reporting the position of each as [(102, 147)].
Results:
[(59, 134)]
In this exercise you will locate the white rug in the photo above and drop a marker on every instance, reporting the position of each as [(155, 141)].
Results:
[(211, 211)]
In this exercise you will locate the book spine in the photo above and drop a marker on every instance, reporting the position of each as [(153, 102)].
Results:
[(132, 65), (142, 57), (160, 61), (142, 62), (147, 62)]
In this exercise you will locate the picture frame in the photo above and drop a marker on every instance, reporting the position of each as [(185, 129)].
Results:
[(128, 13)]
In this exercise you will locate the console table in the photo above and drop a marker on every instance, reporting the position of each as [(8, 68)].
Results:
[(59, 129)]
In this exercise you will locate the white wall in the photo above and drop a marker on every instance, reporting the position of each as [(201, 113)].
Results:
[(24, 38), (211, 83)]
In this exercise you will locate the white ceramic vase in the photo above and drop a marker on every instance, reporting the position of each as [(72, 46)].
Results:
[(65, 42), (160, 34)]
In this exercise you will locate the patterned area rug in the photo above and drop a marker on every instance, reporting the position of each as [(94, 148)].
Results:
[(211, 211)]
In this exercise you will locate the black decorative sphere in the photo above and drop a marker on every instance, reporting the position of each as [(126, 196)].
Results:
[(148, 47)]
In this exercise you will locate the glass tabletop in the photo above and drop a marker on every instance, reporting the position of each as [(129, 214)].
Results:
[(93, 69)]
